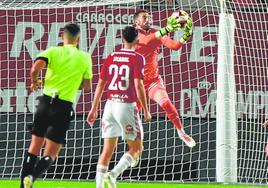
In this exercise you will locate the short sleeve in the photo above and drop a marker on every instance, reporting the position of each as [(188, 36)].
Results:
[(88, 73), (46, 55), (138, 68), (103, 73)]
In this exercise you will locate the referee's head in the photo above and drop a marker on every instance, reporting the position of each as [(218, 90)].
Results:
[(71, 33)]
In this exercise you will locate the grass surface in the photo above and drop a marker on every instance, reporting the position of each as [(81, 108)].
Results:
[(74, 184)]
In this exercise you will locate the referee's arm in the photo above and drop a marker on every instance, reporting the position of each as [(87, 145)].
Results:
[(87, 77), (86, 85), (38, 65)]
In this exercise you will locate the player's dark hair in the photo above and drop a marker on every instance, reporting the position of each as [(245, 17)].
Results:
[(130, 33), (138, 12), (72, 29)]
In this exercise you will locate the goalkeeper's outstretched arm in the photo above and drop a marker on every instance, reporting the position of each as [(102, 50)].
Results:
[(176, 45), (172, 25)]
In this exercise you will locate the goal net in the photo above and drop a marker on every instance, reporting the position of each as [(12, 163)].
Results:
[(190, 74)]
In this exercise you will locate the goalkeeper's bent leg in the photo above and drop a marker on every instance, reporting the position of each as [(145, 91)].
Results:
[(171, 112), (157, 92), (173, 115)]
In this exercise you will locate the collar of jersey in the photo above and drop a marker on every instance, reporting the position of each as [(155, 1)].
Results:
[(145, 31), (124, 49), (70, 45)]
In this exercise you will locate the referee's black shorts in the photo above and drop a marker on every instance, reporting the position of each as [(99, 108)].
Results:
[(52, 119)]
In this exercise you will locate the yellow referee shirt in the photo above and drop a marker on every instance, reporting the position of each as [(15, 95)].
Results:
[(67, 67)]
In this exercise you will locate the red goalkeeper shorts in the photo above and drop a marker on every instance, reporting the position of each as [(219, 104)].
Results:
[(151, 86)]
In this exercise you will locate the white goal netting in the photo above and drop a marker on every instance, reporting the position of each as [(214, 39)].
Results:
[(190, 74)]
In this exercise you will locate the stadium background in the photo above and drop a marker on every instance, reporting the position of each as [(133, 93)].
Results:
[(190, 77)]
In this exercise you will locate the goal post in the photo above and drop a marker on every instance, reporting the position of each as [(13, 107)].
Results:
[(226, 147), (226, 57)]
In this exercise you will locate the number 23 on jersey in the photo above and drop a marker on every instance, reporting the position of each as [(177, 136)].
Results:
[(120, 79)]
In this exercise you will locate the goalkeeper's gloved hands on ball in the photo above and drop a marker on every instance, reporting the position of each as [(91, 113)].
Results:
[(189, 25), (175, 23), (172, 25), (188, 30)]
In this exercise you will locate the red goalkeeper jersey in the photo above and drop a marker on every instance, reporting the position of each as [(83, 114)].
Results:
[(149, 47)]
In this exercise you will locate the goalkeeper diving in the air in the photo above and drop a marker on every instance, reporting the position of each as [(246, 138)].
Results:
[(149, 44)]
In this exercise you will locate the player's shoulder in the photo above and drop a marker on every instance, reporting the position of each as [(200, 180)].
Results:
[(146, 32), (53, 48), (130, 52), (123, 52), (138, 56), (56, 50), (51, 51), (153, 30), (83, 55)]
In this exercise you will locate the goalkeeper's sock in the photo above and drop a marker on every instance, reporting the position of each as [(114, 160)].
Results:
[(171, 112), (42, 166), (27, 166), (125, 162), (101, 171)]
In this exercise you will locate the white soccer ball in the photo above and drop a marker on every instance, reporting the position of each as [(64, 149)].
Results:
[(181, 17)]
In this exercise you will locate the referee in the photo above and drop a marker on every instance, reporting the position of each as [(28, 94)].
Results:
[(68, 69)]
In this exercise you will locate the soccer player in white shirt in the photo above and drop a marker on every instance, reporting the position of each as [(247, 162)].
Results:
[(122, 72)]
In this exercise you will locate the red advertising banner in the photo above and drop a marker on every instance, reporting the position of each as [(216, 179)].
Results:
[(189, 74)]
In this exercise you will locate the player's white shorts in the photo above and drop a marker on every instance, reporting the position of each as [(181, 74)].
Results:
[(121, 119)]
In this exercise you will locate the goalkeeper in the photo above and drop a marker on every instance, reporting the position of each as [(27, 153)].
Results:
[(149, 44), (67, 69)]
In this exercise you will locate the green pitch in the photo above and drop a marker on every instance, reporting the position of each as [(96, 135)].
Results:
[(73, 184)]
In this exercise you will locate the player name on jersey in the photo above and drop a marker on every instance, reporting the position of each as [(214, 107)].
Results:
[(121, 59)]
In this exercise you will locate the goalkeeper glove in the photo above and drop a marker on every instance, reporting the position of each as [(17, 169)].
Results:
[(189, 25), (188, 30), (172, 25)]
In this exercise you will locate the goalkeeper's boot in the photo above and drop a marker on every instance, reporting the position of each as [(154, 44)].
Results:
[(187, 140), (110, 180), (28, 181)]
